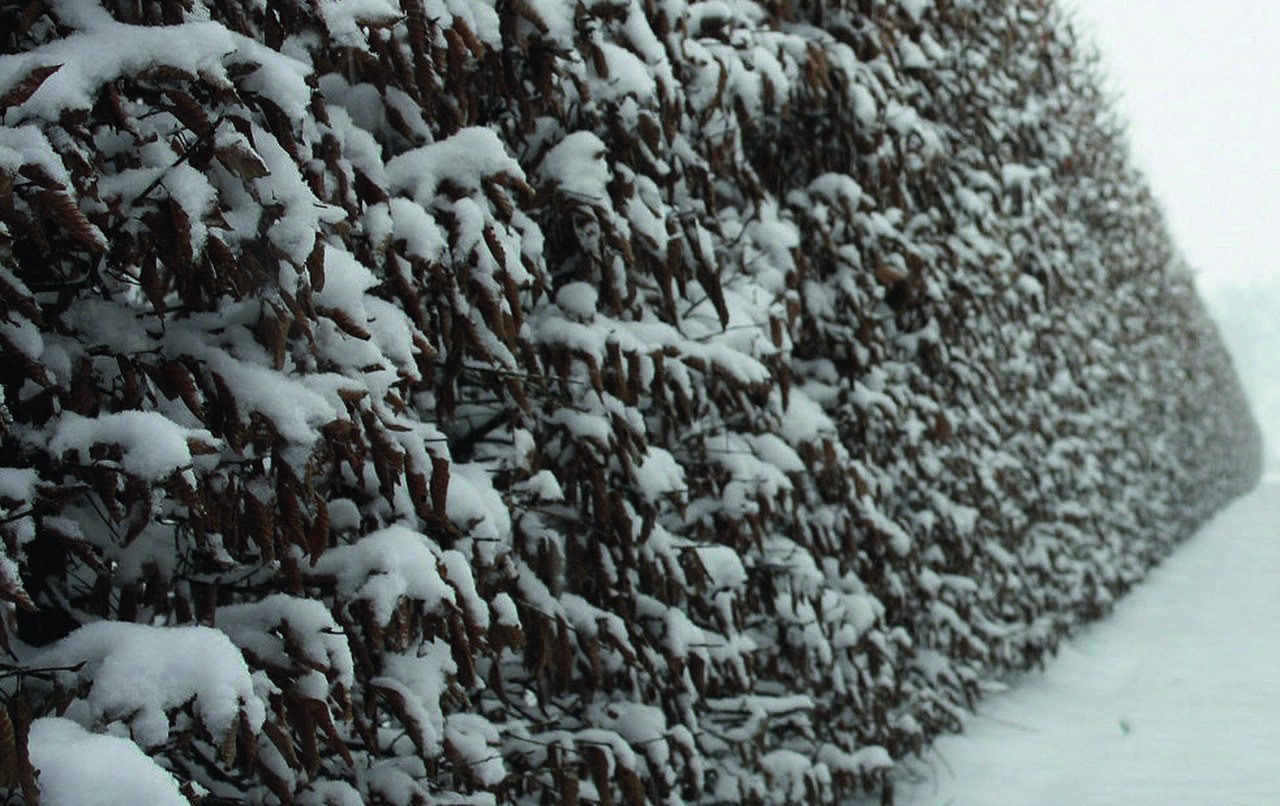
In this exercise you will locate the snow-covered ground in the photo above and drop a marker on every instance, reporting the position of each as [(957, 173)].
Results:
[(1174, 699)]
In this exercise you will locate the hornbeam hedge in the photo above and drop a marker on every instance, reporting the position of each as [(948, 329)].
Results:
[(474, 401)]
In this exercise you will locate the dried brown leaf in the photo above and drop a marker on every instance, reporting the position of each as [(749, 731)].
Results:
[(10, 764), (59, 208), (527, 11), (315, 265), (183, 383), (345, 322), (318, 531), (189, 112), (260, 519), (439, 485), (26, 86), (242, 161)]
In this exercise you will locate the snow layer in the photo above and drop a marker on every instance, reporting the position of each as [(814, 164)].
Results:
[(741, 364), (1173, 699), (79, 768), (139, 673), (153, 446), (385, 566)]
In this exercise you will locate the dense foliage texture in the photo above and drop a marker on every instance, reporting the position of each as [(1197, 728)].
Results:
[(442, 401)]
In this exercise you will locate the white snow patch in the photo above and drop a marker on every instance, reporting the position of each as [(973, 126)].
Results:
[(659, 473), (723, 566), (1174, 699), (153, 446), (576, 165), (79, 768), (915, 8), (138, 673), (18, 483), (463, 159), (578, 299), (384, 566)]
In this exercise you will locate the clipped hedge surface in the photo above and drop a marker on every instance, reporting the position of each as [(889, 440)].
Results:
[(614, 400)]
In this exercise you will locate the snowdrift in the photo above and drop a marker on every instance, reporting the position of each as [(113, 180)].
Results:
[(457, 401)]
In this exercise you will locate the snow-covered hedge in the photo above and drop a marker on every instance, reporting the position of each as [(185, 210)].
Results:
[(445, 401)]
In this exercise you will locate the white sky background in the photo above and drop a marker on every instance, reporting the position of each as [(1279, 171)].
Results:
[(1199, 83)]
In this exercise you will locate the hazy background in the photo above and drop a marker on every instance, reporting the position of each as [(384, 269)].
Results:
[(1200, 86)]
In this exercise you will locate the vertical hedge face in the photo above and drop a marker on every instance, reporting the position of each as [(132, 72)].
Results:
[(624, 400)]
